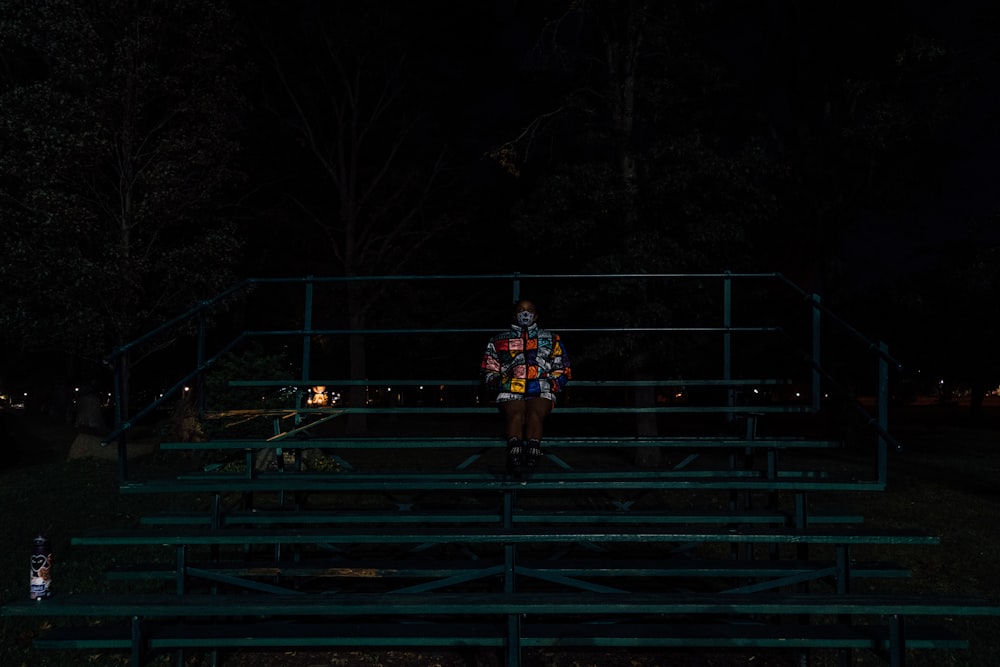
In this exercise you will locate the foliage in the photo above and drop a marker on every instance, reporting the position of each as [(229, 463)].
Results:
[(117, 160)]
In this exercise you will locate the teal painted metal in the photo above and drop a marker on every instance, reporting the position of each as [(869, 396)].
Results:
[(402, 443), (816, 351), (138, 642), (883, 413), (570, 481), (307, 316), (571, 603), (449, 410), (201, 358), (508, 531), (436, 568), (125, 421), (464, 382), (455, 634), (459, 517), (493, 330), (121, 415), (727, 339)]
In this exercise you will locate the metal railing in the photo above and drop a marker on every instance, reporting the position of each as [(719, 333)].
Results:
[(806, 341)]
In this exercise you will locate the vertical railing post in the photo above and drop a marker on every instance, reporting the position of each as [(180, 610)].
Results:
[(307, 330), (516, 288), (138, 643), (307, 324), (509, 576), (816, 352), (200, 381), (882, 407), (121, 413), (727, 342)]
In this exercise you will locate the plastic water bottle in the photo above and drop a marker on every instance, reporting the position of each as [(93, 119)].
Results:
[(41, 569)]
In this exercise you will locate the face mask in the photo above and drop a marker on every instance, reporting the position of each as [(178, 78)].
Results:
[(525, 318)]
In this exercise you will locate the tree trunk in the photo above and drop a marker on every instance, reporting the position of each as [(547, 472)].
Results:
[(622, 43)]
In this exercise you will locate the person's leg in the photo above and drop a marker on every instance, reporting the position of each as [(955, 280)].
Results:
[(514, 413), (537, 410), (514, 418)]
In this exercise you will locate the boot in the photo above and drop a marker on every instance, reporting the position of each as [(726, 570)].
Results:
[(533, 454), (515, 456)]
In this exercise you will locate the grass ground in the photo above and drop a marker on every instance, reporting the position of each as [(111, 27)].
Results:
[(945, 482)]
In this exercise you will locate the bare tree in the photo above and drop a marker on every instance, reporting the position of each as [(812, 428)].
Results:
[(348, 106), (119, 133)]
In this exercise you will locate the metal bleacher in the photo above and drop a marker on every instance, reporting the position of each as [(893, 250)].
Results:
[(693, 501)]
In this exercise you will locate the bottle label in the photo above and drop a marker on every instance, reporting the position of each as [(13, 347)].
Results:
[(41, 576)]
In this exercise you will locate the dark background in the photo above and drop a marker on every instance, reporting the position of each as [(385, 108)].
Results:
[(152, 154)]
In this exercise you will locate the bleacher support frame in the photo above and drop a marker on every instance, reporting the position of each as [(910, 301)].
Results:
[(281, 554)]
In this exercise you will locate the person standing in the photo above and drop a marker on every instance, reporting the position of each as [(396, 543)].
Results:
[(527, 366)]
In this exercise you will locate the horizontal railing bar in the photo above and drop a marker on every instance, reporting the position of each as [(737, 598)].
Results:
[(411, 516), (434, 442), (387, 634), (576, 603), (493, 330), (485, 535), (340, 482), (510, 276), (457, 410), (735, 382), (442, 568)]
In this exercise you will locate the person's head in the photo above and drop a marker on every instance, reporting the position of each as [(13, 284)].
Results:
[(525, 313)]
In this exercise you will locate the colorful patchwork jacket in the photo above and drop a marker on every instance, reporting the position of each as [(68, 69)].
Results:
[(525, 362)]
